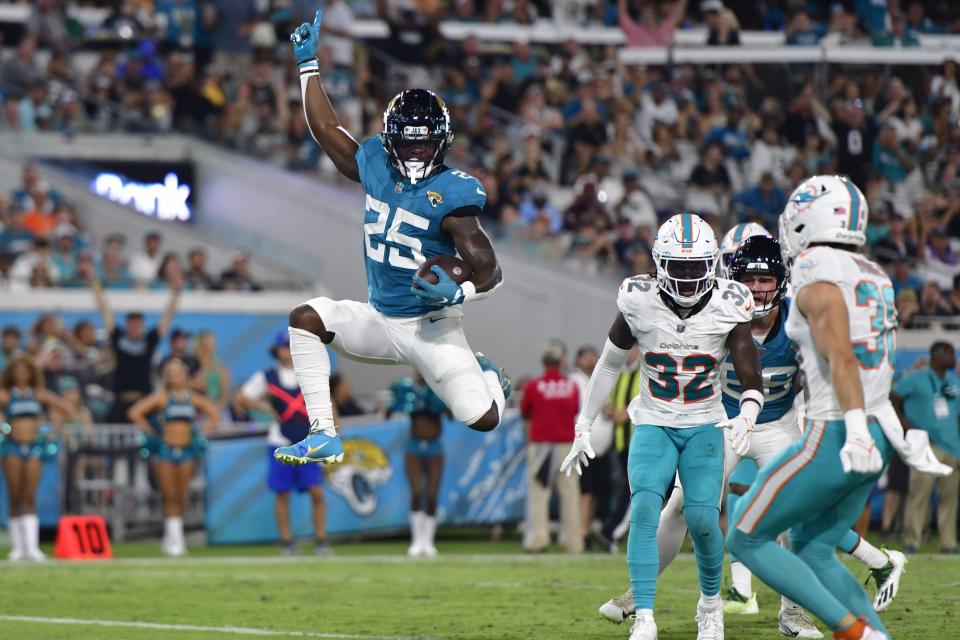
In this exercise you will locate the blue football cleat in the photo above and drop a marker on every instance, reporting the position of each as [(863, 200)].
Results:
[(316, 447), (487, 365)]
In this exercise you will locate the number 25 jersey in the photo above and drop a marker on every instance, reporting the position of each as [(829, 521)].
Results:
[(401, 227), (869, 297), (679, 358)]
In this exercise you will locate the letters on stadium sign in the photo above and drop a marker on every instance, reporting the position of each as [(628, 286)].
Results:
[(166, 200)]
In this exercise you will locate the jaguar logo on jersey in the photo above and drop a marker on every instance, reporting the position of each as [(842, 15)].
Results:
[(365, 467), (435, 199)]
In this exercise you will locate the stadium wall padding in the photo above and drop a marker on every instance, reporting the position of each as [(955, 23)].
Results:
[(483, 483)]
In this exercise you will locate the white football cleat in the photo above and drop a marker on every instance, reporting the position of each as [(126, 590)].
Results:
[(888, 579), (709, 622), (618, 609), (644, 628), (16, 555), (795, 623), (415, 550), (869, 633), (35, 555), (429, 551)]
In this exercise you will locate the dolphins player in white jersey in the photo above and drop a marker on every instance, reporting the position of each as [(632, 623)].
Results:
[(757, 264), (844, 322), (685, 321)]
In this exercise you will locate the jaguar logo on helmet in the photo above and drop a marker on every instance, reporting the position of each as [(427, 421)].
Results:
[(365, 467)]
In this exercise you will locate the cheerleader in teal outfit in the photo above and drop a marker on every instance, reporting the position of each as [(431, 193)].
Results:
[(26, 442), (179, 443)]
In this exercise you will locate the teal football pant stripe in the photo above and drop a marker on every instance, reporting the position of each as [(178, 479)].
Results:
[(733, 500), (656, 454), (805, 490)]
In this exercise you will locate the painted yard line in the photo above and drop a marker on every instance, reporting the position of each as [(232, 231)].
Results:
[(240, 631)]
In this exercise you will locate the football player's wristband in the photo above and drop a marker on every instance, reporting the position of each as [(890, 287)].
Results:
[(470, 293), (309, 66), (855, 420), (757, 398)]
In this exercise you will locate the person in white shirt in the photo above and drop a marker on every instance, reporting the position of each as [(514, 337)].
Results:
[(145, 264)]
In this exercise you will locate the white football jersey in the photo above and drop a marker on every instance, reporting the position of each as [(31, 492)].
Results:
[(680, 358), (869, 296)]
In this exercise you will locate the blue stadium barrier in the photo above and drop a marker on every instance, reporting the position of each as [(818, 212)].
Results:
[(483, 483)]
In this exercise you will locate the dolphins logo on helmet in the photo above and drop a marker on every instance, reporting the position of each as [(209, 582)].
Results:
[(828, 209)]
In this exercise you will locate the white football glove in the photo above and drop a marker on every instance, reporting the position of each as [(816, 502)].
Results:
[(859, 453), (739, 431), (918, 454), (740, 427), (581, 452)]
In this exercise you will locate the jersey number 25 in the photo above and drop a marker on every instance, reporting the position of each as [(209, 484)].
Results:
[(393, 239)]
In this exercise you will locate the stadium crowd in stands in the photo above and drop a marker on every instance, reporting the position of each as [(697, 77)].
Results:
[(581, 155)]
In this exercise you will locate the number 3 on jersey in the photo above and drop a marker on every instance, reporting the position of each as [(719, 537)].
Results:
[(393, 239), (696, 390), (882, 325)]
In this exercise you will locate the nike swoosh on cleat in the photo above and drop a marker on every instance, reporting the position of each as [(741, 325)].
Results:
[(312, 450)]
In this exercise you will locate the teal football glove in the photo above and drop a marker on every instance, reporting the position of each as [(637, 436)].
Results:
[(445, 293), (306, 39)]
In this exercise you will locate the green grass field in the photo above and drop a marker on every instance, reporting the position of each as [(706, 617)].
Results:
[(475, 590)]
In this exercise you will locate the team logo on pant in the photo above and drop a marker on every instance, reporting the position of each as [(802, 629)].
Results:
[(435, 199), (365, 467)]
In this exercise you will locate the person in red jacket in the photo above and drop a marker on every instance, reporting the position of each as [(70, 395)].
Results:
[(549, 407)]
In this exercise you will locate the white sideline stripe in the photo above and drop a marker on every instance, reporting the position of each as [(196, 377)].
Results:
[(240, 631), (359, 559)]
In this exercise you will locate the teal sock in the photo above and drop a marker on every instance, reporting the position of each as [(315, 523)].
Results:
[(643, 561), (850, 541), (822, 558), (787, 574), (704, 525)]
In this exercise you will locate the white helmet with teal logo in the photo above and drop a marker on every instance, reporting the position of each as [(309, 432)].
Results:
[(732, 241), (829, 209), (686, 254)]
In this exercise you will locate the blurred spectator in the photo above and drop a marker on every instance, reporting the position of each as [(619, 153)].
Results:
[(710, 182), (650, 31), (899, 34), (908, 309), (21, 70), (896, 245), (144, 265), (341, 393), (928, 399), (586, 210), (944, 86), (232, 26), (196, 276), (763, 203), (10, 345), (34, 268), (723, 26), (212, 378), (802, 30), (237, 277), (168, 273), (112, 270), (932, 302), (940, 262), (180, 350), (133, 346), (595, 482), (855, 135), (32, 184), (537, 207), (549, 407), (903, 278), (65, 252), (917, 20), (635, 205), (15, 237)]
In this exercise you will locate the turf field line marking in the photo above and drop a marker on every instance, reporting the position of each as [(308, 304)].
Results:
[(359, 559), (240, 631)]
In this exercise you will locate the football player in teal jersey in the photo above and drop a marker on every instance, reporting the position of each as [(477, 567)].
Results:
[(416, 209)]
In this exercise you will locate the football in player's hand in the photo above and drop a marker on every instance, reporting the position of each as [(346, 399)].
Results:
[(458, 270)]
